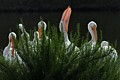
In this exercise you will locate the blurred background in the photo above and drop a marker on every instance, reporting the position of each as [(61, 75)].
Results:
[(106, 13)]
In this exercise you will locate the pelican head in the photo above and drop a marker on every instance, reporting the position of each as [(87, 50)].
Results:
[(41, 25), (92, 29), (21, 27), (104, 43), (65, 19), (11, 36)]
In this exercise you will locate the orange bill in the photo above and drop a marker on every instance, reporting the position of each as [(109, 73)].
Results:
[(95, 32), (66, 17), (11, 40), (40, 31)]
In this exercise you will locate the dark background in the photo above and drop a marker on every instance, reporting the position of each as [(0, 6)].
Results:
[(106, 13)]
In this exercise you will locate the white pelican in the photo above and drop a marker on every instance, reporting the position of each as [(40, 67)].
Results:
[(63, 26), (105, 46), (93, 32), (36, 37), (92, 29), (9, 51), (24, 33), (35, 41), (42, 26)]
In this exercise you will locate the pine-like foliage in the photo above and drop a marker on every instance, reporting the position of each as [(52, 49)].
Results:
[(48, 59)]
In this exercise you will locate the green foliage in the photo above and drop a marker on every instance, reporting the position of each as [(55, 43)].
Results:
[(49, 60)]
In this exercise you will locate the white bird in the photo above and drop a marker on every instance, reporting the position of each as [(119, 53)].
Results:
[(36, 41), (92, 30), (106, 48), (36, 37), (63, 26), (24, 33), (9, 51), (42, 26)]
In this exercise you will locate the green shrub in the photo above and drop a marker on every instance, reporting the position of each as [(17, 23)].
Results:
[(48, 60)]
